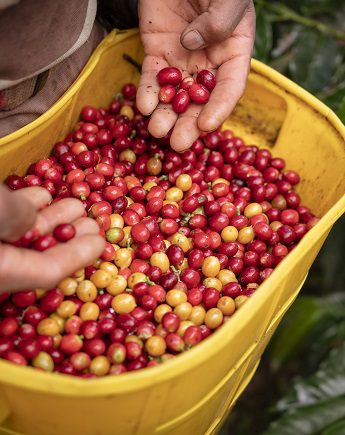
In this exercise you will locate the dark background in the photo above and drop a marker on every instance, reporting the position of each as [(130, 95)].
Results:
[(299, 387)]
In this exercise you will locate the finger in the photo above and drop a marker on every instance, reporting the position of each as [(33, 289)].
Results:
[(231, 75), (18, 210), (186, 130), (162, 120), (147, 95), (214, 25), (37, 196), (85, 226), (231, 83), (23, 268), (65, 211)]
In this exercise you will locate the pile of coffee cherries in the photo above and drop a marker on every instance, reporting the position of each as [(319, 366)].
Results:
[(189, 238), (180, 92)]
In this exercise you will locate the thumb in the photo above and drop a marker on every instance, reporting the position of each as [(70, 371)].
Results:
[(214, 25)]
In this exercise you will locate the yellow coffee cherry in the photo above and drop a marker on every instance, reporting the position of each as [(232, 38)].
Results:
[(43, 361), (240, 300), (225, 276), (182, 241), (123, 303), (174, 194), (183, 310), (68, 286), (79, 275), (66, 309), (123, 258), (213, 282), (176, 297), (100, 365), (155, 345), (210, 266), (161, 260), (220, 180), (226, 305), (109, 267), (99, 279), (246, 235), (136, 277), (127, 155), (197, 316), (116, 221), (48, 326), (148, 186), (59, 320), (117, 285), (213, 318), (87, 291), (127, 111), (252, 209), (184, 182), (229, 234), (89, 311)]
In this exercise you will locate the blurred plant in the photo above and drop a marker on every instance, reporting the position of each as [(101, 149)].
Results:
[(304, 365), (305, 41)]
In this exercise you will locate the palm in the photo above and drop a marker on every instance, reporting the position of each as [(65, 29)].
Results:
[(161, 40), (161, 25)]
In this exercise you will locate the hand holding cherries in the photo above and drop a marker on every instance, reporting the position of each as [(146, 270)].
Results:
[(180, 92)]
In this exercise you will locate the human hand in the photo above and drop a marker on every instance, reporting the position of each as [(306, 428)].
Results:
[(21, 211), (217, 35)]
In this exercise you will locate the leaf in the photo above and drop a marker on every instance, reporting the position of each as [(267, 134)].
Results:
[(327, 383), (314, 61), (327, 336), (297, 326), (263, 38), (308, 420), (337, 428)]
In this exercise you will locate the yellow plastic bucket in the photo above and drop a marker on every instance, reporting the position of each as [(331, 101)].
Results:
[(193, 393)]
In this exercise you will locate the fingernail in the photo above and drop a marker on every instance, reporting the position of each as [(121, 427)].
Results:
[(193, 40)]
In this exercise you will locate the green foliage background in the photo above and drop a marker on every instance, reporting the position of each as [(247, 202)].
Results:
[(299, 388)]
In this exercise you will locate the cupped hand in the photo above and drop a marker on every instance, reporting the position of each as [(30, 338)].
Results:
[(217, 35), (22, 210)]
